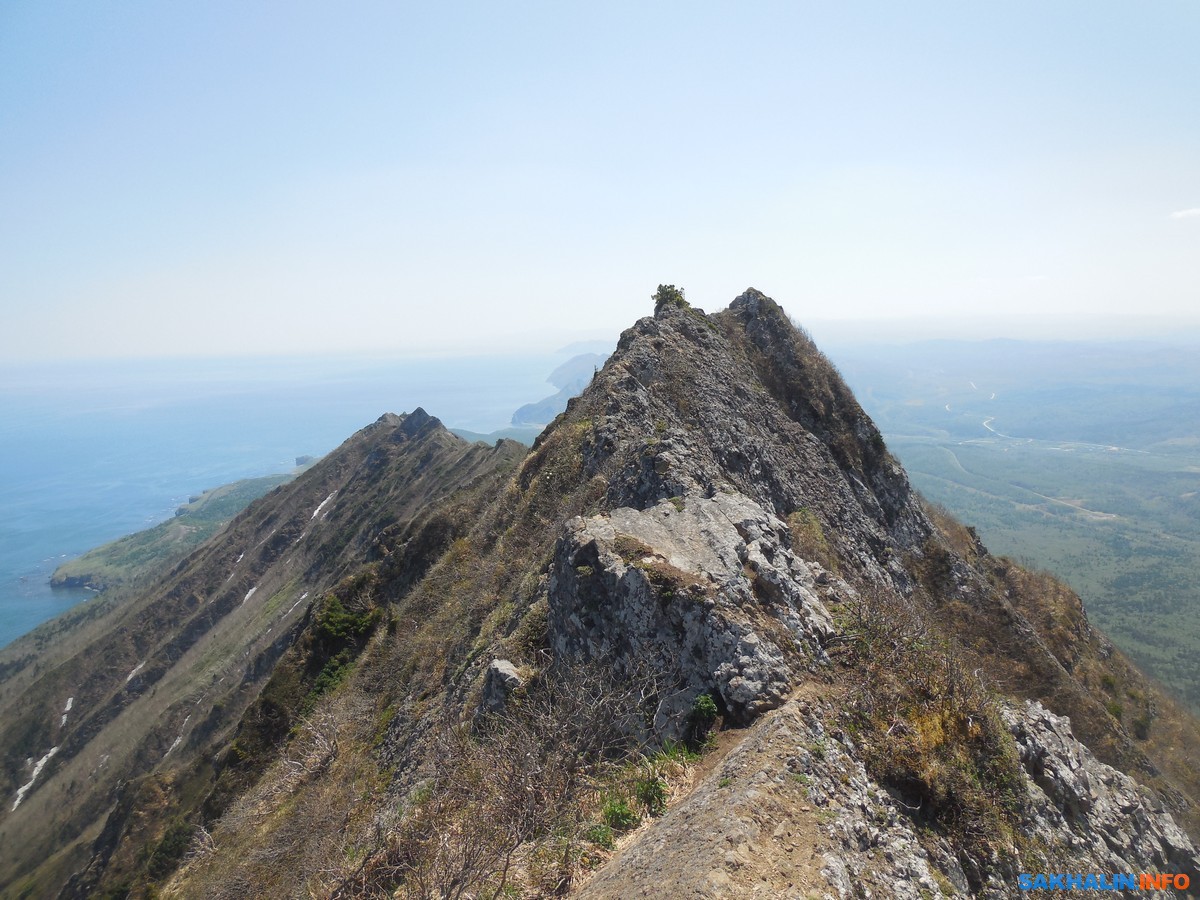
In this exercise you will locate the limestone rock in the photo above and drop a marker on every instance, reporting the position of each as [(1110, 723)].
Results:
[(707, 590), (1112, 822)]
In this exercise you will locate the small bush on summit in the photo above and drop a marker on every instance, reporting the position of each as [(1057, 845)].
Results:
[(668, 295)]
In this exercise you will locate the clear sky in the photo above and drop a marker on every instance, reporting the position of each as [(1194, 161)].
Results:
[(247, 177)]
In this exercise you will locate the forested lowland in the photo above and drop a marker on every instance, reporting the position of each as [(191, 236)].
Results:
[(1082, 458)]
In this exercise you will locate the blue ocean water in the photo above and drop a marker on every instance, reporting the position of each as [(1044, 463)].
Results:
[(93, 451)]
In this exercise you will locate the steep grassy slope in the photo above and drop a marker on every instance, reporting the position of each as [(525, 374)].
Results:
[(134, 701)]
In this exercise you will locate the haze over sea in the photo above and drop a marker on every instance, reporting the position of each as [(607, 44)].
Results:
[(93, 451)]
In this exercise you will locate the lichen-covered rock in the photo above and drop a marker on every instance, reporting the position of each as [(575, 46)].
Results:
[(703, 589)]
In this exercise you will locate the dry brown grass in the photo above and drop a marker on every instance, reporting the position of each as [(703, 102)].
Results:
[(931, 730)]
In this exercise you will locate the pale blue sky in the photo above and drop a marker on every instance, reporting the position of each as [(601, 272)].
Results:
[(248, 177)]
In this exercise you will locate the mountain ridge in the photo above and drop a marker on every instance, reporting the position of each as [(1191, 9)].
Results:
[(714, 517), (179, 619)]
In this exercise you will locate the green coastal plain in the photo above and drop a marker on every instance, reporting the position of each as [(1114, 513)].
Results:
[(136, 556)]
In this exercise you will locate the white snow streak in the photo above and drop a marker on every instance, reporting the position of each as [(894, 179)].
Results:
[(249, 593), (317, 511), (294, 605), (178, 740), (136, 669), (37, 770)]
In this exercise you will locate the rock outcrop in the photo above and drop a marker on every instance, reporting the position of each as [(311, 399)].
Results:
[(1100, 817), (501, 680), (707, 590)]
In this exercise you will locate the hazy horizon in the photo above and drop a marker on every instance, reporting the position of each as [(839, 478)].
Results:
[(1173, 330), (229, 180)]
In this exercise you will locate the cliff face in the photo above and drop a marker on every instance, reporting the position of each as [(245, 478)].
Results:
[(711, 548)]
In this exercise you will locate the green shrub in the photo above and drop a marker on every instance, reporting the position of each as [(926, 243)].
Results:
[(651, 792), (600, 834), (701, 719), (618, 815), (704, 709), (669, 295), (336, 623), (170, 849)]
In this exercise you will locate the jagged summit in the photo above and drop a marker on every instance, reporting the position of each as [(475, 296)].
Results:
[(743, 398), (480, 655), (419, 421)]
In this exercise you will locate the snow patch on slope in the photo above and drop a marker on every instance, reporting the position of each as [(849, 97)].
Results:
[(37, 770), (317, 511)]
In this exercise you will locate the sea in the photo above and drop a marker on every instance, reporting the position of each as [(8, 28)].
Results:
[(92, 451)]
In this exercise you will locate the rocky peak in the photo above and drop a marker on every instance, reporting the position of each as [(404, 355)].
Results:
[(419, 422), (692, 404)]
